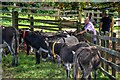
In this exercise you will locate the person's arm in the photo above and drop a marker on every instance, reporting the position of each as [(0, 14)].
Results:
[(101, 23), (82, 32), (111, 25)]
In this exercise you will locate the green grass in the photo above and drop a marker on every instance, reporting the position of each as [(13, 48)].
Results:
[(117, 28), (28, 69)]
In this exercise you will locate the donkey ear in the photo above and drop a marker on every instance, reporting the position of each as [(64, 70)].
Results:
[(95, 51)]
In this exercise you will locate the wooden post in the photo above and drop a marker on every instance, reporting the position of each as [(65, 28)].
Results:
[(58, 18), (29, 10), (32, 23), (1, 37), (15, 25), (28, 15), (107, 55), (98, 15), (98, 40), (59, 25), (112, 25), (113, 57), (58, 15), (15, 19), (79, 21), (102, 53)]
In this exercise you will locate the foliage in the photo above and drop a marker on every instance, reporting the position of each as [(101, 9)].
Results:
[(66, 5)]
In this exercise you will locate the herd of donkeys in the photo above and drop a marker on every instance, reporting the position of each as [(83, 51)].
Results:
[(64, 47)]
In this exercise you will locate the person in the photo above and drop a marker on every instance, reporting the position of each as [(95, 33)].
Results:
[(105, 23), (89, 27), (91, 18)]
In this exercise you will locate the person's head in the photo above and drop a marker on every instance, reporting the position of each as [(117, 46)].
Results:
[(86, 20), (90, 15), (104, 13), (86, 14)]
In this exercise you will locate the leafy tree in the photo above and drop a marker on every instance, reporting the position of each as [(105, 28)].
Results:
[(112, 6)]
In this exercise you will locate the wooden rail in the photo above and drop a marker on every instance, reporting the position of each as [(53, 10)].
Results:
[(52, 23), (104, 48), (107, 74), (58, 23), (114, 39)]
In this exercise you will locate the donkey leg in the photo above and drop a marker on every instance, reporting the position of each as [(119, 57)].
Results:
[(37, 55), (13, 54), (68, 67), (68, 73), (1, 51), (44, 56), (75, 73), (28, 49), (16, 53), (59, 60), (83, 75), (95, 75), (87, 71), (75, 68), (89, 77), (16, 63)]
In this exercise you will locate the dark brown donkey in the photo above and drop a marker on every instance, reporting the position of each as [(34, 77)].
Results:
[(10, 38)]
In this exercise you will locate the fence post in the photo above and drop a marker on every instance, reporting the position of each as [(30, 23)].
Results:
[(79, 21), (98, 15), (59, 25), (98, 40), (58, 18), (31, 24), (58, 15), (113, 57), (107, 55), (78, 24), (15, 19), (112, 25), (102, 44)]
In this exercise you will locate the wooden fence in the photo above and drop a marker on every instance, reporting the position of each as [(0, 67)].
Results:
[(55, 25), (97, 14), (108, 55)]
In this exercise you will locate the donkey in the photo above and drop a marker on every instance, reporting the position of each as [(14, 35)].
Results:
[(57, 43), (86, 59), (80, 37), (9, 38), (67, 56), (38, 42), (36, 39)]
